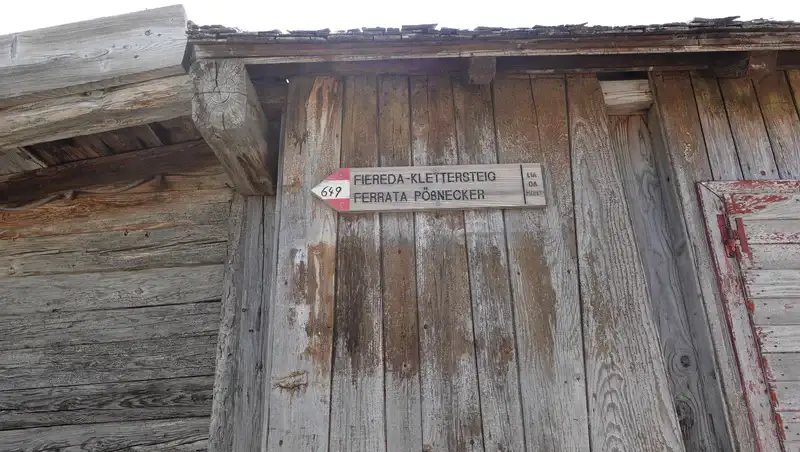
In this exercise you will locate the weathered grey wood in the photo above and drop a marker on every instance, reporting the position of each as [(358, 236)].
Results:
[(773, 283), (722, 156), (302, 323), (183, 435), (100, 363), (99, 111), (113, 251), (749, 132), (794, 84), (772, 231), (531, 125), (227, 112), (110, 290), (627, 97), (775, 256), (787, 396), (792, 446), (357, 407), (776, 311), (791, 426), (764, 206), (632, 146), (481, 70), (17, 160), (492, 312), (118, 211), (43, 330), (682, 160), (399, 280), (779, 338), (782, 122), (107, 402), (630, 407), (91, 55), (121, 169), (451, 417), (782, 366)]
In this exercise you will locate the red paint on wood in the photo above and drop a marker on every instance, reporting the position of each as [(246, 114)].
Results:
[(781, 429), (750, 306), (340, 174), (750, 203), (340, 204)]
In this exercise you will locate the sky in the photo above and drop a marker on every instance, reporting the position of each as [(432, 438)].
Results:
[(343, 14)]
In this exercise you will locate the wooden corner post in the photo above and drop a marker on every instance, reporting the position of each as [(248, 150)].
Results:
[(226, 111)]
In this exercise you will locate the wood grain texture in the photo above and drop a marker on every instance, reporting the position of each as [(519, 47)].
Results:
[(100, 111), (174, 435), (782, 366), (775, 256), (121, 169), (543, 267), (113, 251), (110, 290), (227, 112), (772, 231), (779, 338), (100, 363), (787, 395), (765, 206), (303, 299), (106, 402), (631, 407), (118, 212), (357, 406), (776, 311), (749, 132), (682, 161), (633, 150), (91, 55), (91, 327), (722, 156), (627, 97), (487, 258), (451, 418), (782, 122), (18, 160), (773, 283), (791, 426), (399, 279)]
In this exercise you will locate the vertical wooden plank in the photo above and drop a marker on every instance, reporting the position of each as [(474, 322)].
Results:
[(493, 319), (357, 422), (399, 280), (450, 400), (747, 125), (783, 124), (631, 407), (634, 153), (793, 77), (543, 267), (303, 300), (682, 161), (721, 149)]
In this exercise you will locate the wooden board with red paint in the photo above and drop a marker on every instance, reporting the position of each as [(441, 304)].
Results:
[(390, 189)]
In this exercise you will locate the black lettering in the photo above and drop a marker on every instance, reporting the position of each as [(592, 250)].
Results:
[(481, 176), (415, 178), (403, 197), (491, 176), (480, 194)]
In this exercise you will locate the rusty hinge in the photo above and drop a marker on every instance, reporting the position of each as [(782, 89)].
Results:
[(733, 240)]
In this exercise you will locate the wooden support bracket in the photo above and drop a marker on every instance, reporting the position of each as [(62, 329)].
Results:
[(227, 112)]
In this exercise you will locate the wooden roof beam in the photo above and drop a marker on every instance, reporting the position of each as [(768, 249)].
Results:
[(92, 55), (227, 112), (94, 112)]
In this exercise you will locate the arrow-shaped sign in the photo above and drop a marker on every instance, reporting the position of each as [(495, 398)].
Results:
[(433, 187)]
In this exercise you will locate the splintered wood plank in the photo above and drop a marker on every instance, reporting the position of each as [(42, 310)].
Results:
[(107, 402), (493, 318), (716, 129), (779, 339), (749, 132), (399, 279), (43, 330), (302, 324), (776, 311), (451, 418), (773, 283), (63, 365), (110, 290), (787, 395), (117, 212), (237, 414), (189, 434), (114, 251), (682, 161), (543, 267), (774, 256), (772, 231), (782, 121), (634, 153), (631, 407), (357, 411)]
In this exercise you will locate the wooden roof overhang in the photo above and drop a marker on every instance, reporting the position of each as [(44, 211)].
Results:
[(63, 88)]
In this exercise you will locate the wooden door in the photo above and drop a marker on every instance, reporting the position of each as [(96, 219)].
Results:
[(754, 231)]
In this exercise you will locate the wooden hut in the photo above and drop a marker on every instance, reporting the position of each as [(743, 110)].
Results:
[(170, 282)]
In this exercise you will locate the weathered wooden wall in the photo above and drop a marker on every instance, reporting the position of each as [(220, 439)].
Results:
[(110, 316)]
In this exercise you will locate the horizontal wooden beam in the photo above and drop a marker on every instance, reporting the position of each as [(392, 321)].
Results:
[(228, 113), (627, 97), (99, 111), (91, 55), (21, 188)]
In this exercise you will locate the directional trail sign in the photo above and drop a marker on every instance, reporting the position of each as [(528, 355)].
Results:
[(389, 189)]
